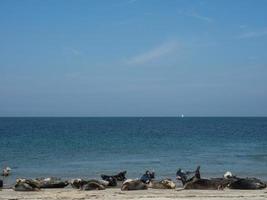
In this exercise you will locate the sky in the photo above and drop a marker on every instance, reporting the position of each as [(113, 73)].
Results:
[(133, 58)]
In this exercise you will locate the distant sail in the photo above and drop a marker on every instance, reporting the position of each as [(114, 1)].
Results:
[(182, 115)]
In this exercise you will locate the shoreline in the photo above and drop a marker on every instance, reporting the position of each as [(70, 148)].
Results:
[(116, 193)]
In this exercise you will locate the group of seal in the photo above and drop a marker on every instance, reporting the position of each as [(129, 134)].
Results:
[(147, 181), (228, 181), (88, 184), (189, 179), (114, 179), (39, 183), (93, 184)]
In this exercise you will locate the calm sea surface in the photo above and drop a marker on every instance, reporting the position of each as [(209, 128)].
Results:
[(87, 147)]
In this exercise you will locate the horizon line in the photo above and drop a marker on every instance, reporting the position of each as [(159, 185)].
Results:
[(145, 116)]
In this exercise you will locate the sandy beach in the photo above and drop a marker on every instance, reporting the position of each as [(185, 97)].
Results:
[(68, 193)]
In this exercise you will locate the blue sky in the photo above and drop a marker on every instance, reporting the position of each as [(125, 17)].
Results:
[(133, 58)]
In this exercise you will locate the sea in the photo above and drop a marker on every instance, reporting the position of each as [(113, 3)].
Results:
[(86, 147)]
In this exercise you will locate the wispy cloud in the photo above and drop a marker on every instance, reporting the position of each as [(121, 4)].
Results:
[(72, 51), (196, 15), (75, 51), (253, 34), (153, 54), (200, 17)]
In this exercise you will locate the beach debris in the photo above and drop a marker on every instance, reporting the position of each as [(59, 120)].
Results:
[(26, 185)]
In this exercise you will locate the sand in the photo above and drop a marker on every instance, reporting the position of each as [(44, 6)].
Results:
[(116, 193)]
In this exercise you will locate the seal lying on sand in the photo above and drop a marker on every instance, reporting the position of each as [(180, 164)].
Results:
[(88, 184), (232, 182), (6, 171), (51, 182), (196, 182), (131, 184), (163, 184), (77, 183), (120, 176), (93, 185), (110, 179), (243, 183), (247, 184), (26, 185), (147, 177), (114, 178)]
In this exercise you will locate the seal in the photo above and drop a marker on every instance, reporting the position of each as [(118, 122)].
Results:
[(77, 183), (81, 184), (196, 182), (244, 183), (247, 184), (147, 177), (6, 171), (113, 179), (120, 176), (26, 185), (163, 184), (110, 179), (51, 182), (93, 185), (133, 185)]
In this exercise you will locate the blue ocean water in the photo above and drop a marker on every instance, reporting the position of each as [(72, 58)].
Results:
[(87, 147)]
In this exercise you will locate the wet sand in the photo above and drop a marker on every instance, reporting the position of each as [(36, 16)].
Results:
[(68, 193)]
